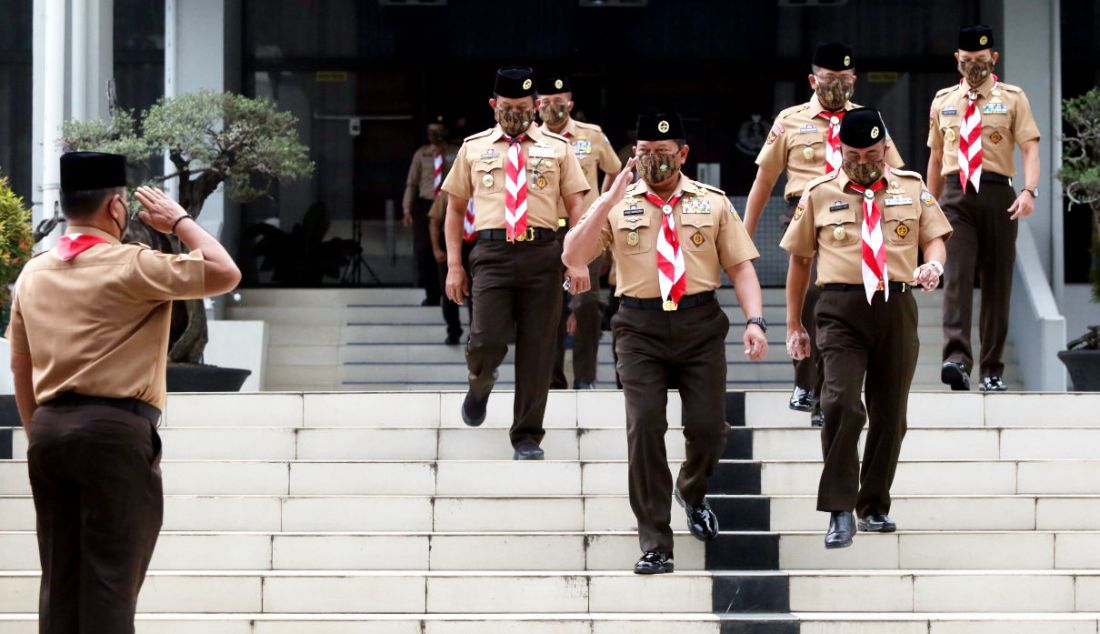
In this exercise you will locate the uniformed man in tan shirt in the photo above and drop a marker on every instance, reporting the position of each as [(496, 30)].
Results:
[(972, 130), (436, 217), (672, 238), (429, 167), (517, 174), (89, 347), (865, 224), (595, 154), (804, 143)]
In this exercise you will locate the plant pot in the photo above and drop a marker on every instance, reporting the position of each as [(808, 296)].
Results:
[(1084, 369), (187, 377)]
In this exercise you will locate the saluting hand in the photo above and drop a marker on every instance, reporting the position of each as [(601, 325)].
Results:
[(1023, 207), (756, 344), (622, 181), (161, 212), (798, 342)]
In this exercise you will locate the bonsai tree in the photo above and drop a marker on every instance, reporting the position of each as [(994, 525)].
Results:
[(16, 242), (1080, 176), (212, 140)]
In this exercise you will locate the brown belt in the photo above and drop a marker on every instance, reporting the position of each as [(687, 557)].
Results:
[(656, 303)]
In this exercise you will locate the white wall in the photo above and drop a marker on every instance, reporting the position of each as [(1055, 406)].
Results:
[(1079, 309), (239, 344), (7, 386)]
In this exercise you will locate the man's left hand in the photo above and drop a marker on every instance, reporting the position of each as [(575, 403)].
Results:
[(756, 343), (1023, 207)]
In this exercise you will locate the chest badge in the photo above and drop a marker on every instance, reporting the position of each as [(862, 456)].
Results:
[(902, 230), (487, 180), (698, 239), (540, 182), (995, 137), (808, 153), (839, 233), (632, 239), (950, 135)]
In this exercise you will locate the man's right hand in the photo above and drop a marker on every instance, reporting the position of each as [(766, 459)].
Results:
[(622, 181), (407, 218), (161, 212), (798, 342), (457, 285)]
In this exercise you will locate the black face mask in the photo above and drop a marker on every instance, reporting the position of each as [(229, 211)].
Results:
[(864, 173), (658, 168), (976, 71)]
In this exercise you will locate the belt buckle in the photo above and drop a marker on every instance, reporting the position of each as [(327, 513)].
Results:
[(669, 306), (527, 236)]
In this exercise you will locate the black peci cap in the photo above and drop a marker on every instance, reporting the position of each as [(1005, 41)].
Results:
[(862, 127), (976, 37), (92, 170), (554, 84), (660, 127), (515, 82), (834, 56)]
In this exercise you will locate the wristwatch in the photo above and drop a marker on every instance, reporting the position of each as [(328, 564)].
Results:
[(759, 321), (1034, 191)]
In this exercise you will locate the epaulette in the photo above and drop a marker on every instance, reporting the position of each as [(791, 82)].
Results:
[(709, 187), (478, 135), (588, 126), (1010, 87), (783, 114), (824, 178), (555, 136), (909, 173)]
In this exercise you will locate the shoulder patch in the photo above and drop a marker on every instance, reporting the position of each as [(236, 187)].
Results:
[(636, 188), (907, 173), (944, 91), (824, 178), (926, 198), (478, 135), (1010, 87)]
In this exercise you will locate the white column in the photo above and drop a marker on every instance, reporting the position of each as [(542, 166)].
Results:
[(50, 48), (91, 56)]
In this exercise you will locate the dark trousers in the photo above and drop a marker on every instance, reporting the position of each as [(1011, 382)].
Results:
[(95, 475), (807, 372), (588, 313), (859, 342), (516, 290), (450, 309), (983, 244), (427, 276), (656, 350)]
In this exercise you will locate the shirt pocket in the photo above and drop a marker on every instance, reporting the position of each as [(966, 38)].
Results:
[(900, 224), (837, 228), (634, 237), (949, 128), (996, 133), (806, 149), (701, 225), (543, 176), (489, 175)]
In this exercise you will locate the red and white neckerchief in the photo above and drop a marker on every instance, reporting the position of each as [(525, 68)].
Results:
[(832, 143), (71, 245), (515, 187), (874, 248), (469, 230), (437, 174), (671, 269), (970, 141)]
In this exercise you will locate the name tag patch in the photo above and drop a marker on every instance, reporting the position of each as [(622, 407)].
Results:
[(897, 201), (488, 154), (950, 111), (633, 211), (809, 127), (540, 152), (838, 206)]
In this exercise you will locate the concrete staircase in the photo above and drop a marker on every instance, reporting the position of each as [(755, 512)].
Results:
[(382, 339), (381, 513)]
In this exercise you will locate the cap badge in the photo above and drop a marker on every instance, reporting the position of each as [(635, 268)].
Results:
[(848, 60), (662, 127), (527, 84), (558, 84), (874, 132), (983, 40)]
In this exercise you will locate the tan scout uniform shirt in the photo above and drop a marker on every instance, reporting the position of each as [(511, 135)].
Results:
[(829, 220), (710, 231), (797, 141), (594, 152), (98, 324), (421, 179), (478, 173), (1006, 120)]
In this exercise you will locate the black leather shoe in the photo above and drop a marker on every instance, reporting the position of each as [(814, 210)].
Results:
[(877, 524), (955, 375), (654, 563), (453, 339), (581, 385), (992, 383), (842, 527), (817, 418), (802, 400), (473, 409), (528, 450), (702, 522)]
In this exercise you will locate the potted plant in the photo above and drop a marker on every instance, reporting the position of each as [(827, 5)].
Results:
[(1080, 176), (212, 140)]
